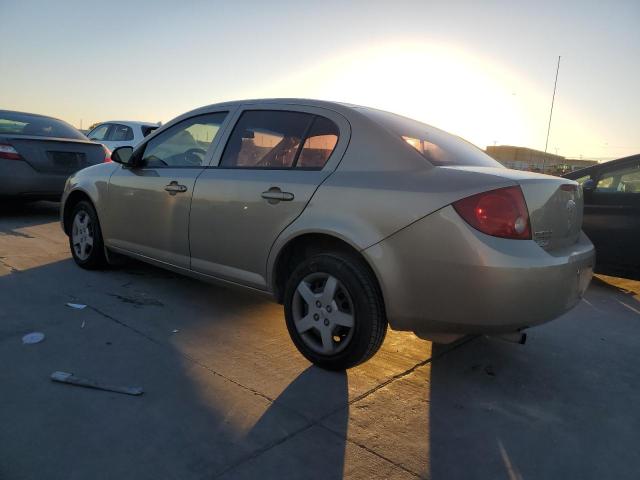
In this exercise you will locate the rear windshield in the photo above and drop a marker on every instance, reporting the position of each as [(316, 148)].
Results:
[(15, 123), (437, 146)]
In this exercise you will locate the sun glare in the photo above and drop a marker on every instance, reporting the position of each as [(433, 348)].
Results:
[(466, 95)]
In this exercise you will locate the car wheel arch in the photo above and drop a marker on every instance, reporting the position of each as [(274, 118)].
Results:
[(304, 246), (71, 201)]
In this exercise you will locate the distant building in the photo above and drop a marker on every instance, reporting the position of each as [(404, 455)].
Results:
[(521, 158)]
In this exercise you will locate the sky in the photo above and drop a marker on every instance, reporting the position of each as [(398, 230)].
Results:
[(482, 70)]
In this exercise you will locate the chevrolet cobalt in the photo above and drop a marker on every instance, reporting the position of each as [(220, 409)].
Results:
[(352, 218)]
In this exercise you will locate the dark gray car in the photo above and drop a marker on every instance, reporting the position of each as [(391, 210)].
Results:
[(38, 153)]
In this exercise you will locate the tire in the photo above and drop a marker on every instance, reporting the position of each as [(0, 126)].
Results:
[(85, 229), (313, 314)]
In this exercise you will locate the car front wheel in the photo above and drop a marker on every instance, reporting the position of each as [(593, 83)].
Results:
[(334, 311), (85, 237)]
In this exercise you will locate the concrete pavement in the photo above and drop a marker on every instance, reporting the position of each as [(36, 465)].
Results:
[(228, 396)]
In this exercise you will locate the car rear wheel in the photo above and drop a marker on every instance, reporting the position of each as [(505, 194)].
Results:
[(85, 237), (334, 311)]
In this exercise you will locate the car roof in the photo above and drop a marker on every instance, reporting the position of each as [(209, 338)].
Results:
[(131, 122), (593, 168), (32, 114)]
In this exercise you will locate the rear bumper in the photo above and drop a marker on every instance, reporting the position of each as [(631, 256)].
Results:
[(440, 275), (19, 179)]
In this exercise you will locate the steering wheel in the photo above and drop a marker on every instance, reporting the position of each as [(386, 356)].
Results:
[(194, 153)]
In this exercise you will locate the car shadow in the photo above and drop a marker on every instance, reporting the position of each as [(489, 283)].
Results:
[(190, 422), (486, 409), (18, 215)]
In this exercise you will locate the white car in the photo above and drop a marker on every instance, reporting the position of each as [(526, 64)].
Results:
[(117, 133)]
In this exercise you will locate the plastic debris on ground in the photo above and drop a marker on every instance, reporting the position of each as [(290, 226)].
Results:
[(77, 306), (33, 337), (71, 379)]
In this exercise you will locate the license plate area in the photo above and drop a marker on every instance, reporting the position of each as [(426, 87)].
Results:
[(65, 162)]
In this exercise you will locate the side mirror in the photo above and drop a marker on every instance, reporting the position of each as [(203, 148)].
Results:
[(589, 185), (122, 155)]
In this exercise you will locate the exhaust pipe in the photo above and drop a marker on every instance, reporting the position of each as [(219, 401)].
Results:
[(515, 337)]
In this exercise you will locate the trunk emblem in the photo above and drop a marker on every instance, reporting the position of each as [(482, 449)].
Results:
[(572, 214)]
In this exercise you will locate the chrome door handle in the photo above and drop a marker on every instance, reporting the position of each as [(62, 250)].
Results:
[(275, 195), (174, 188)]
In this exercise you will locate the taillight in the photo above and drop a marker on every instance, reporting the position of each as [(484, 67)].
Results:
[(8, 152), (107, 155), (500, 213)]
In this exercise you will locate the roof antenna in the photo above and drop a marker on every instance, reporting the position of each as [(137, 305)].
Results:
[(551, 113)]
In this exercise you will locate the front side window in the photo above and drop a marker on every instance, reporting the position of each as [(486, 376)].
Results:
[(624, 180), (185, 144), (266, 139), (100, 132), (120, 133)]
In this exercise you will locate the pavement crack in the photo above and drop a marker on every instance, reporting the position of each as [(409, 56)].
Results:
[(341, 436), (185, 355)]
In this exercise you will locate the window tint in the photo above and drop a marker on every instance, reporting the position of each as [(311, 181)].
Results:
[(437, 146), (26, 124), (320, 142), (100, 132), (266, 139), (625, 180), (185, 144), (582, 179), (146, 130), (120, 133)]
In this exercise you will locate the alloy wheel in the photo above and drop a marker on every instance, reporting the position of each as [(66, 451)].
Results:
[(82, 235), (323, 313)]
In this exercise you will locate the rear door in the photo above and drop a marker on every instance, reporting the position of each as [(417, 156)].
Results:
[(148, 206), (260, 180), (612, 216)]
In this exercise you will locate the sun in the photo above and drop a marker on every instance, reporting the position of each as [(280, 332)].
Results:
[(447, 87)]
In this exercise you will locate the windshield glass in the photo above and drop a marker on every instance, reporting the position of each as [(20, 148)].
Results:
[(16, 123), (437, 146)]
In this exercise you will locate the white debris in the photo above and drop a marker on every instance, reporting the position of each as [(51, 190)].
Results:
[(175, 331), (77, 306), (33, 337), (82, 326)]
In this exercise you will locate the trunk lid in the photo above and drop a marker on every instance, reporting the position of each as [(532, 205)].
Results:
[(555, 205), (57, 155)]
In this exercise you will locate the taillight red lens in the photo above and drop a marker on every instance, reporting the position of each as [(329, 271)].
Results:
[(107, 155), (500, 213), (8, 152)]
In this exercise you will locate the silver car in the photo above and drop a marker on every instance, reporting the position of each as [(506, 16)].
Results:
[(353, 218), (121, 133)]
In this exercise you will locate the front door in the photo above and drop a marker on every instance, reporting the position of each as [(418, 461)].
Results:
[(148, 205), (271, 166), (612, 216)]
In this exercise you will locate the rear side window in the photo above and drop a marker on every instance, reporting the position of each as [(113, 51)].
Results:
[(16, 123), (120, 133), (146, 130), (266, 139), (319, 144), (437, 146), (279, 139)]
